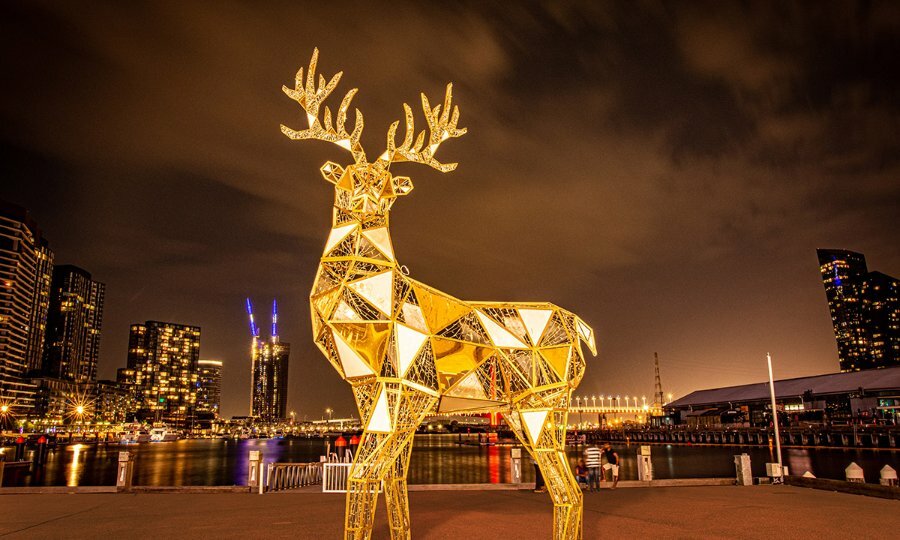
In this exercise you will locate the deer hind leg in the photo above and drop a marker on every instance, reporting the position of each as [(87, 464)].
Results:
[(543, 433)]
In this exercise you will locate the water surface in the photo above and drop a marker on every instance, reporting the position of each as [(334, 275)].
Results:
[(436, 459)]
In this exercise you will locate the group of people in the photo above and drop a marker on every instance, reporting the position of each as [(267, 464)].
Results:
[(591, 470)]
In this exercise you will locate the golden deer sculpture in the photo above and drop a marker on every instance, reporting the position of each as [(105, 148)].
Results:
[(409, 350)]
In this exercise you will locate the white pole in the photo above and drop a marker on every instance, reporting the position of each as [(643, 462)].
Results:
[(774, 415)]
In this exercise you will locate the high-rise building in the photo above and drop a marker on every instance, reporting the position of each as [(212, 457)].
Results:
[(269, 370), (209, 387), (865, 310), (881, 316), (163, 357), (112, 402), (25, 262), (72, 343)]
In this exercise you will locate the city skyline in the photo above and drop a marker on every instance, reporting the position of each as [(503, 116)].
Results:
[(705, 154), (865, 310)]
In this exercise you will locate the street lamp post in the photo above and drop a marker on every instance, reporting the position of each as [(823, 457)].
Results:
[(328, 411), (777, 479)]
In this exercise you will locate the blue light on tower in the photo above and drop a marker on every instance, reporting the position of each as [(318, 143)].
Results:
[(254, 330)]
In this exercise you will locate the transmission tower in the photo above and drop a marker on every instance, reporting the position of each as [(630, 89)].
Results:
[(657, 385)]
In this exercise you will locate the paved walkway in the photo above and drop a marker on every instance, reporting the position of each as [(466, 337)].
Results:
[(679, 512)]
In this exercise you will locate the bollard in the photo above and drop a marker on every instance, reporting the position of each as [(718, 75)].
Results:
[(354, 445), (124, 472), (340, 446), (854, 473), (40, 453), (645, 466), (253, 468), (888, 476), (742, 470), (515, 465), (20, 448)]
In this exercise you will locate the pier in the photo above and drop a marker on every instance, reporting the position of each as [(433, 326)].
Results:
[(682, 512)]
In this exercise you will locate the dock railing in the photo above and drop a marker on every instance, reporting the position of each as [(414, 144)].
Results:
[(334, 477), (285, 476)]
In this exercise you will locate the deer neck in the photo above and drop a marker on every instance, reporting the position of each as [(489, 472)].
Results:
[(360, 240)]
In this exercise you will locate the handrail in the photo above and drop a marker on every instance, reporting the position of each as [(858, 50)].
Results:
[(284, 476)]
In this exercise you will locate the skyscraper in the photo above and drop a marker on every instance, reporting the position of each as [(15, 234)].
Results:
[(881, 316), (865, 311), (209, 387), (163, 357), (25, 262), (72, 344), (269, 370)]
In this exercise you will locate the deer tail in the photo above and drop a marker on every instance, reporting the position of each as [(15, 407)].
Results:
[(586, 334)]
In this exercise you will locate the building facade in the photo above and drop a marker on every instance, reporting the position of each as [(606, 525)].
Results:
[(164, 358), (72, 344), (209, 388), (269, 370), (25, 262), (834, 399), (865, 311), (112, 402), (269, 379)]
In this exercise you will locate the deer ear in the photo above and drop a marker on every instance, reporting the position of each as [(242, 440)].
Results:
[(402, 185), (332, 172)]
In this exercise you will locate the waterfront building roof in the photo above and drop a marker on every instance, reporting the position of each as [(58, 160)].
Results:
[(831, 383)]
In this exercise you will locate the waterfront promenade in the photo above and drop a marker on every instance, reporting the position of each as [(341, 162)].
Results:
[(669, 512)]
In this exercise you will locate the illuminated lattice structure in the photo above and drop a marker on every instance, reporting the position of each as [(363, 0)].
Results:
[(409, 350)]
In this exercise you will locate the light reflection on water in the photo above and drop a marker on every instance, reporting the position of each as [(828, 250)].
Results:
[(436, 459), (74, 467)]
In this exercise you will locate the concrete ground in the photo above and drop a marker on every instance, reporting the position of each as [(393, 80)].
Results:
[(664, 512)]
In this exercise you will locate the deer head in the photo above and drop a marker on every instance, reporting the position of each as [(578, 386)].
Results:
[(363, 188)]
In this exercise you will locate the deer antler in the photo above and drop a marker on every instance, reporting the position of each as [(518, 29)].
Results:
[(310, 98), (442, 126)]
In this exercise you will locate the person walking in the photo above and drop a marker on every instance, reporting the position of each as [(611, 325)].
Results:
[(612, 463), (592, 456)]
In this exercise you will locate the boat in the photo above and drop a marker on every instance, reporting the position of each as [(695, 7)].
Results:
[(163, 434), (134, 435)]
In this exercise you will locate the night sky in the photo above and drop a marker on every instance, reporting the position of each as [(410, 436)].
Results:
[(666, 171)]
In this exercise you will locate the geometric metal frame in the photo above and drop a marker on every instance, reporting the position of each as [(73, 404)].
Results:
[(409, 350)]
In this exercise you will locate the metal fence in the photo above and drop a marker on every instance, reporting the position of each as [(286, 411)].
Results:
[(283, 476), (334, 477)]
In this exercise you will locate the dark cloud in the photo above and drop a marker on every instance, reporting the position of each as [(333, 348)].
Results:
[(665, 170)]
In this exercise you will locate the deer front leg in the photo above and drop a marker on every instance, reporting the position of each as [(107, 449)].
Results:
[(362, 488), (414, 406), (395, 492), (383, 454)]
